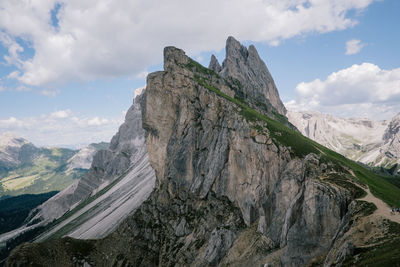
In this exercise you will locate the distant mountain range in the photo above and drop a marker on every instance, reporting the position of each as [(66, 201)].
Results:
[(375, 143), (27, 169)]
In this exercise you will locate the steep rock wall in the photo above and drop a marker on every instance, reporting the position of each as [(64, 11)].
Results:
[(226, 191)]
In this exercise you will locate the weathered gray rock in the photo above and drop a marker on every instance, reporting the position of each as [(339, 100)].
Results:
[(374, 143), (199, 142), (220, 242), (257, 84), (223, 195), (214, 64), (391, 146), (15, 150)]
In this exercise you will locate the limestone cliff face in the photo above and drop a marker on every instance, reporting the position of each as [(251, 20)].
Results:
[(227, 192), (200, 144), (391, 138)]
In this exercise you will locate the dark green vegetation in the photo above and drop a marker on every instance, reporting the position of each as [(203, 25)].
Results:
[(365, 208), (386, 253), (300, 145), (56, 253), (11, 244), (343, 181), (45, 171), (14, 210), (197, 67)]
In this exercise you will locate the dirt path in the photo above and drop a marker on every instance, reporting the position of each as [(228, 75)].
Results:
[(382, 208)]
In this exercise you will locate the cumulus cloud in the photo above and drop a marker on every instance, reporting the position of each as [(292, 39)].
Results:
[(138, 91), (358, 91), (11, 122), (96, 121), (61, 114), (353, 46), (60, 128), (97, 39)]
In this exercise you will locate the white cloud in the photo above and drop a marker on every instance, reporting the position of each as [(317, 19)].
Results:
[(358, 91), (50, 92), (96, 121), (13, 49), (97, 39), (61, 114), (46, 130), (141, 75), (138, 91), (353, 46), (14, 75), (11, 122)]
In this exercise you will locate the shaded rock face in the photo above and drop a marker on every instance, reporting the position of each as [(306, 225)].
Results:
[(214, 64), (391, 139), (226, 193), (201, 143)]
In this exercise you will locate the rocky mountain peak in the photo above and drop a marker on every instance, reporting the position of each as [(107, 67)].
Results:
[(235, 50), (228, 178), (10, 139), (246, 66), (174, 57), (14, 150), (214, 64)]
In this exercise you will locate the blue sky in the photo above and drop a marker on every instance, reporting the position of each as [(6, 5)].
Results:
[(67, 81)]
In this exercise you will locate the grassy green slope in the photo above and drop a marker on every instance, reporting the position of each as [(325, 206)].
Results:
[(301, 145), (45, 173)]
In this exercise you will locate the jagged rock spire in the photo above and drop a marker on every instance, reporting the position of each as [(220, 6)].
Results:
[(246, 66), (214, 64)]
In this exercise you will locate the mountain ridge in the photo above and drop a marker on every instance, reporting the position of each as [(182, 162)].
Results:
[(233, 187), (374, 143), (27, 169)]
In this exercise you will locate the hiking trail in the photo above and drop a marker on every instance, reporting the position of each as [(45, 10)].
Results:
[(382, 209)]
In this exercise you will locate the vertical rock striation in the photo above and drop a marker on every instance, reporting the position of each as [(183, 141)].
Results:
[(201, 144)]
